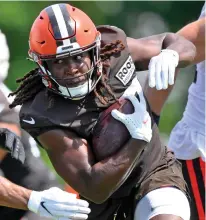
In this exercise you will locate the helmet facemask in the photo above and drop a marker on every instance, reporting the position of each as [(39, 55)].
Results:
[(66, 86)]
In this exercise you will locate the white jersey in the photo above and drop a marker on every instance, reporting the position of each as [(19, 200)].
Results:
[(194, 113), (187, 138)]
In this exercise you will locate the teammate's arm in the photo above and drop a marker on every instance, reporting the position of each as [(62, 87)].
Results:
[(73, 160), (12, 195), (195, 32), (142, 50), (52, 203)]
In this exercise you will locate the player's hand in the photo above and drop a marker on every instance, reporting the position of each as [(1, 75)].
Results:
[(12, 143), (138, 123), (55, 203), (162, 69)]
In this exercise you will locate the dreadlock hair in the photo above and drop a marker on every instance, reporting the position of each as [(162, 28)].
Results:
[(31, 83), (102, 90)]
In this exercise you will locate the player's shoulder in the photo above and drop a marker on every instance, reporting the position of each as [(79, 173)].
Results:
[(47, 111), (122, 68), (111, 33), (32, 112), (110, 28)]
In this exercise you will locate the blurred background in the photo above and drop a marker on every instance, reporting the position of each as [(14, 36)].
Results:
[(137, 18)]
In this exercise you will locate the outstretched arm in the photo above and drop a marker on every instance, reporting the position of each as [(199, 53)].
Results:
[(142, 50), (12, 195), (195, 32), (45, 203)]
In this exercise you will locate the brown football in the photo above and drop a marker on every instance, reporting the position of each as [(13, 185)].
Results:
[(109, 134)]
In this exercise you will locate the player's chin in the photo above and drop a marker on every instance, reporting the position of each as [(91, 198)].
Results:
[(80, 82), (72, 83)]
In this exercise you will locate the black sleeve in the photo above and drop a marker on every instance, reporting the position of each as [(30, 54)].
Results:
[(35, 132), (39, 125), (35, 118)]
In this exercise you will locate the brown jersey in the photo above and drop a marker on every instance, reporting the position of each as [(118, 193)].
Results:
[(80, 116)]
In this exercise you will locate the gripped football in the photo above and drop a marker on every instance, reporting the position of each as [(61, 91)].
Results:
[(109, 134)]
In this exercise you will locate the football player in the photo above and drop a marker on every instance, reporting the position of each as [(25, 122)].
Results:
[(15, 200), (187, 138), (82, 70)]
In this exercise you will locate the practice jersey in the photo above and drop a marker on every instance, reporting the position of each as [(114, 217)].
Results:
[(80, 116), (194, 114)]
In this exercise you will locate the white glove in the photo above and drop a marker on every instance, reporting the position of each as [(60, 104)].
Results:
[(55, 203), (162, 69), (138, 123)]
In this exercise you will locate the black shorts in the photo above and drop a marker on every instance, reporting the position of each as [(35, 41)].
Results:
[(123, 208)]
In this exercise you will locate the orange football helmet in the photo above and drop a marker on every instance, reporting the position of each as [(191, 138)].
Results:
[(59, 31)]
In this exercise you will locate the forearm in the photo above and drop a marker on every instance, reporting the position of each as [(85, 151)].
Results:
[(144, 49), (183, 47), (195, 32), (73, 160), (157, 98), (12, 195), (97, 181), (109, 174)]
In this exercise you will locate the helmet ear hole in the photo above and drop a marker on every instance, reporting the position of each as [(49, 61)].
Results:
[(41, 17)]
